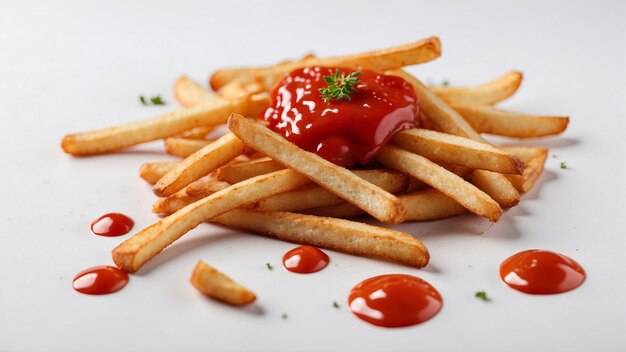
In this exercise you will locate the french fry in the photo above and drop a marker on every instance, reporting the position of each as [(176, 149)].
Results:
[(192, 193), (197, 133), (377, 202), (486, 119), (534, 159), (494, 184), (214, 284), (337, 234), (487, 93), (457, 150), (378, 60), (445, 181), (199, 164), (133, 253), (152, 172), (129, 134), (189, 93), (184, 147), (313, 197), (233, 173), (339, 211)]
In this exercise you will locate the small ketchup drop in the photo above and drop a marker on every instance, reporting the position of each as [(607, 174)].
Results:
[(112, 224), (305, 260), (394, 300), (100, 280), (541, 272)]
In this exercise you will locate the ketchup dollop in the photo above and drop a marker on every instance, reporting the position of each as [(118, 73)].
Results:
[(305, 260), (395, 300), (343, 132), (112, 224), (537, 271), (100, 280)]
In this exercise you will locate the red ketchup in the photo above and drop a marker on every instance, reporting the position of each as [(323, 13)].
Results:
[(394, 300), (541, 272), (305, 260), (343, 132), (100, 280), (112, 224)]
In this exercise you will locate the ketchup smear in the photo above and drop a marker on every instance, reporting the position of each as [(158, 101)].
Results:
[(537, 271), (305, 260), (394, 300), (112, 224), (343, 132), (100, 280)]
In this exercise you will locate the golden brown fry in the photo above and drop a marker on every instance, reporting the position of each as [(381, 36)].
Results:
[(184, 147), (430, 204), (339, 211), (129, 134), (487, 93), (378, 60), (379, 203), (445, 181), (189, 93), (314, 197), (457, 150), (192, 193), (486, 119), (133, 253), (494, 184), (213, 283), (233, 173), (197, 133), (199, 164), (342, 235), (534, 159), (152, 172)]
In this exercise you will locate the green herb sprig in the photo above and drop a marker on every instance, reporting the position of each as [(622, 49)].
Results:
[(156, 100), (482, 295), (340, 86)]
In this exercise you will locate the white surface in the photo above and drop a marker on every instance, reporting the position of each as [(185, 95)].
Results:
[(72, 66)]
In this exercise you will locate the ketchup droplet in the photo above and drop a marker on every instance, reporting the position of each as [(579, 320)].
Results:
[(100, 280), (305, 260), (537, 271), (394, 300), (112, 224)]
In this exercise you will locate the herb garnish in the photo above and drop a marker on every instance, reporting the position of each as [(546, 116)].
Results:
[(445, 83), (335, 304), (269, 266), (284, 316), (482, 295), (156, 100), (563, 164), (339, 87)]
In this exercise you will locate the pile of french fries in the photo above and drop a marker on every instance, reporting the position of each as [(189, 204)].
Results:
[(253, 179)]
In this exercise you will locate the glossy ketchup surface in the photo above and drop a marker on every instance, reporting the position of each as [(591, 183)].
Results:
[(305, 260), (112, 224), (537, 271), (394, 300), (100, 280), (343, 132)]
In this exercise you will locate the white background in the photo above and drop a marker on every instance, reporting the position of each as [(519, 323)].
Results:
[(73, 66)]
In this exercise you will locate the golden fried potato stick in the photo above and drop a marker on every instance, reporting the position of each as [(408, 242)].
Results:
[(487, 93), (125, 135), (189, 93), (377, 202), (190, 194), (184, 147), (214, 284), (451, 149), (337, 234), (152, 172), (494, 184), (133, 253), (534, 159), (197, 133), (233, 173), (199, 164), (448, 183), (378, 60), (486, 119)]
